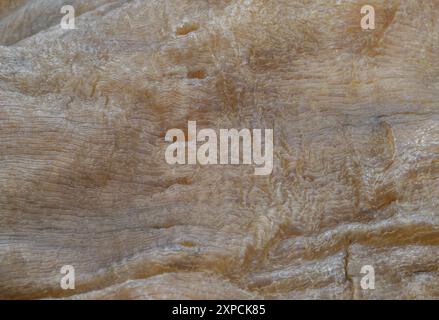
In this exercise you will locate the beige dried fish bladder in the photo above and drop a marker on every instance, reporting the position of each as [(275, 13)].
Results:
[(91, 209)]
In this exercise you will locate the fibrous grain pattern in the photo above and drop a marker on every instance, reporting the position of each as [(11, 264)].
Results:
[(84, 181)]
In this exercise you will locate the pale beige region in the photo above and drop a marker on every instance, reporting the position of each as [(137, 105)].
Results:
[(84, 181)]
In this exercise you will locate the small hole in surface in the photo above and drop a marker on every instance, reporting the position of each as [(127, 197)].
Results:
[(188, 244), (186, 28), (196, 74)]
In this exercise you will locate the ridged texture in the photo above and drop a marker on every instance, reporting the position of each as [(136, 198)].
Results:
[(84, 181)]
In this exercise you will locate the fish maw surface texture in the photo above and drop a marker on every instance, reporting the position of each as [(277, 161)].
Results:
[(84, 181)]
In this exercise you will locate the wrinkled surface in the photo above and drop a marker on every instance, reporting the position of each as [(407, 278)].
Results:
[(84, 181)]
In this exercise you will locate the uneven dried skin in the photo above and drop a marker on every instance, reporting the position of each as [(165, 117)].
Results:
[(84, 181)]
